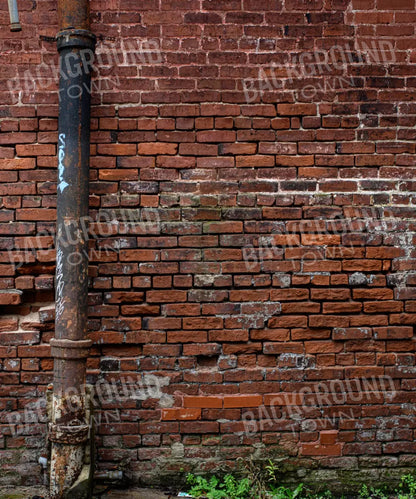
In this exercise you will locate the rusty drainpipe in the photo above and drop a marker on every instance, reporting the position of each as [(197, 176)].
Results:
[(69, 429)]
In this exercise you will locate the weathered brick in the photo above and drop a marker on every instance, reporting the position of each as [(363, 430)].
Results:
[(157, 148), (296, 109), (181, 414), (203, 402), (243, 401), (319, 449)]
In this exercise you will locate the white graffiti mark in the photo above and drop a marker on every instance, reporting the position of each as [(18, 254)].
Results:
[(61, 167), (59, 284)]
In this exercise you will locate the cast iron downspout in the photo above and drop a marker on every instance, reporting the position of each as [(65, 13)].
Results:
[(69, 429)]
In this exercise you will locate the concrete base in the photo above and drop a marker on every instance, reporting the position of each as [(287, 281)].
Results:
[(82, 488)]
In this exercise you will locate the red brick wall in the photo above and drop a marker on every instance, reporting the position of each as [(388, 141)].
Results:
[(252, 235)]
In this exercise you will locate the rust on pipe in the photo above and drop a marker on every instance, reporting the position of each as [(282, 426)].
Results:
[(74, 14), (68, 430)]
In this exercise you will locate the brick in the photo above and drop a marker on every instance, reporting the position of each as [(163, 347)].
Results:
[(318, 449), (288, 321), (17, 164), (207, 349), (8, 324), (203, 323), (19, 338), (391, 333), (139, 255), (296, 109), (198, 149), (181, 414), (7, 352), (314, 347), (125, 174), (215, 162), (361, 265), (123, 297), (35, 150), (320, 239), (202, 427), (24, 282), (175, 162), (35, 214), (395, 5), (34, 351), (238, 149), (373, 294), (243, 401), (328, 320), (328, 437), (254, 161), (209, 402), (220, 109), (298, 161), (283, 399), (157, 148), (216, 136), (10, 297), (117, 149), (289, 294), (223, 227), (20, 189), (351, 333), (282, 213)]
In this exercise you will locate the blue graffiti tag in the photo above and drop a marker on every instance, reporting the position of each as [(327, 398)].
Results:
[(61, 167)]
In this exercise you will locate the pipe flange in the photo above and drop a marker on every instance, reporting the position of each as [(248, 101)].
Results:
[(65, 434), (81, 38), (70, 349)]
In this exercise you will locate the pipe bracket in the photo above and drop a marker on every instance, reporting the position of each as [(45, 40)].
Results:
[(81, 38), (68, 434), (70, 349)]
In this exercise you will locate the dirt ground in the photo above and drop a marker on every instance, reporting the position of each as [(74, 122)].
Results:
[(22, 492), (41, 492), (137, 494)]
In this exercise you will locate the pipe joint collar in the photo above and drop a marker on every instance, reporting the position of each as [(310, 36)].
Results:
[(68, 434), (80, 38), (70, 349)]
